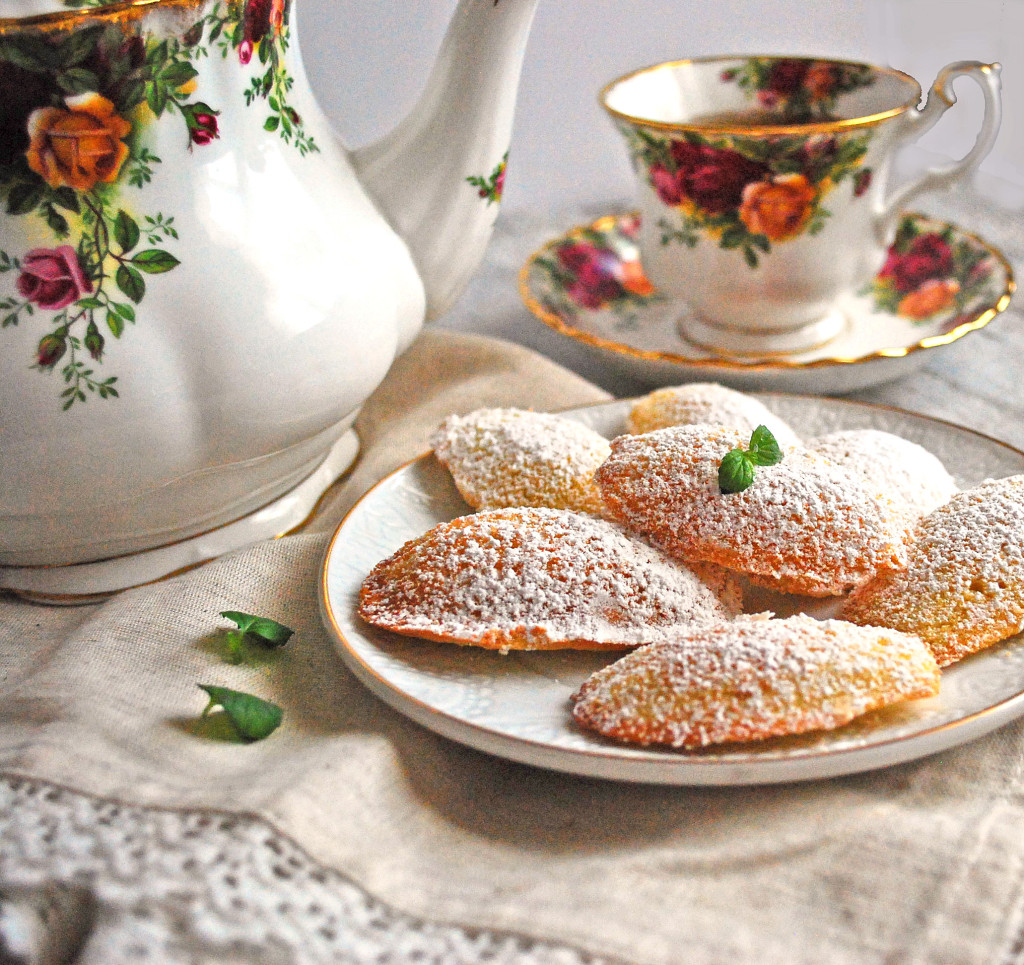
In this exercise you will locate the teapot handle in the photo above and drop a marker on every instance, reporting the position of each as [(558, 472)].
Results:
[(941, 97)]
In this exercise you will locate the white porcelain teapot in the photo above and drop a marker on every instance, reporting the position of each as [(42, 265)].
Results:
[(199, 286)]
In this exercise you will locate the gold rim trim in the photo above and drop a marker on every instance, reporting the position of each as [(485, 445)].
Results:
[(608, 222), (120, 10), (755, 130), (683, 759)]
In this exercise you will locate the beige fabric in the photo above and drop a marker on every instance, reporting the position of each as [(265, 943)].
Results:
[(916, 864)]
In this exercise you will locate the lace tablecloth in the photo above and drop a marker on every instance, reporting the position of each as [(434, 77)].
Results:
[(354, 836)]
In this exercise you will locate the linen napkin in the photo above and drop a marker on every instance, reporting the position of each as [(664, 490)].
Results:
[(921, 863)]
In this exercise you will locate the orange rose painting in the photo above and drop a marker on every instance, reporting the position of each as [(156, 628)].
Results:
[(820, 80), (932, 297), (778, 209), (78, 146)]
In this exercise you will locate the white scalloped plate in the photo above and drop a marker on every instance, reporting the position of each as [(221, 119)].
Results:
[(517, 705)]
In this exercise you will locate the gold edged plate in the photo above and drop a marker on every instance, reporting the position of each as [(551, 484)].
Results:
[(517, 705)]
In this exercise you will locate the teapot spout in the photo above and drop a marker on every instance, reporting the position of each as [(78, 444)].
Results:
[(438, 176)]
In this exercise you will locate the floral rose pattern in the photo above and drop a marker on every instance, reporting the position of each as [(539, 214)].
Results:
[(935, 276), (798, 89), (588, 270), (52, 278), (492, 187), (929, 272), (746, 193), (77, 107), (778, 208), (79, 144)]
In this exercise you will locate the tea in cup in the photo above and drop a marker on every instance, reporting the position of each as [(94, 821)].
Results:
[(763, 185)]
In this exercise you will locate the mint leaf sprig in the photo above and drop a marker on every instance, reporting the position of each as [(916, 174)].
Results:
[(737, 469), (252, 717), (261, 631)]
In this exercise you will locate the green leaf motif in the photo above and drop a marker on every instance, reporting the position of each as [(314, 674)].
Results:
[(57, 222), (23, 198), (154, 261), (156, 97), (130, 282), (115, 323), (67, 198), (77, 80), (253, 718), (126, 231), (178, 74)]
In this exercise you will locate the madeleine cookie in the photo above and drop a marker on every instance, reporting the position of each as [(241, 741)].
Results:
[(803, 526), (963, 586), (534, 579), (891, 466), (513, 457), (753, 679), (706, 403)]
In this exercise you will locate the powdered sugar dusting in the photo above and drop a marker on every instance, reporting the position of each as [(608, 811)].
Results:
[(707, 403), (805, 525), (963, 586), (513, 457), (752, 679), (890, 466), (534, 579)]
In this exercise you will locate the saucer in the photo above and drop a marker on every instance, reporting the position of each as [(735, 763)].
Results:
[(588, 285)]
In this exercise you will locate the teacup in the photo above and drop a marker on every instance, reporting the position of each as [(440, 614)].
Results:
[(763, 185)]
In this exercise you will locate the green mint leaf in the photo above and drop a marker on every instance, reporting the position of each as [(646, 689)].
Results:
[(234, 647), (764, 450), (267, 631), (735, 472), (253, 717)]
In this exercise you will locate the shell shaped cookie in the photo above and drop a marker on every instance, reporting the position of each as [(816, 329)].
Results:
[(891, 466), (804, 526), (535, 579), (963, 586), (707, 403), (754, 679), (514, 457)]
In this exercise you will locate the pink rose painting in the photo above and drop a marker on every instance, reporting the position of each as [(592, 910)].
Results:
[(52, 278)]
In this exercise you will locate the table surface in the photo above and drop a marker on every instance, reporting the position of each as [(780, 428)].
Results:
[(974, 383)]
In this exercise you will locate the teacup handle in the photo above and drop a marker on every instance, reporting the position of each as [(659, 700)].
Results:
[(940, 98)]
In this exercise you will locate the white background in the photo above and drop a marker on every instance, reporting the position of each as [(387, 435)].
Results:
[(367, 60)]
